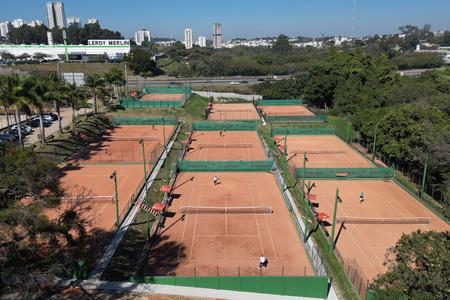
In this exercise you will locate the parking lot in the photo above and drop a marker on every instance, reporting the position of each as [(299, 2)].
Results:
[(32, 130)]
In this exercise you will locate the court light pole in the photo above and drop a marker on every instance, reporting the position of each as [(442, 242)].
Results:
[(348, 131), (307, 211), (114, 176), (165, 150), (147, 202), (424, 178), (285, 161), (336, 200), (302, 190), (374, 142)]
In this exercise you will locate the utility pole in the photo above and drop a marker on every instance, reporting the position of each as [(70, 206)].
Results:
[(374, 142), (114, 177)]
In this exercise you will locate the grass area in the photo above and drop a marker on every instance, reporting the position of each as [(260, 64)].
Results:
[(60, 146), (344, 287), (169, 66), (87, 68), (123, 264)]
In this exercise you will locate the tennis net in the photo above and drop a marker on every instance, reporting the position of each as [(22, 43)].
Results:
[(233, 110), (236, 145), (287, 113), (362, 220), (321, 151), (94, 199), (132, 138), (226, 210)]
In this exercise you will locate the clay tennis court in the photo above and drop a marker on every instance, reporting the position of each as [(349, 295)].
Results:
[(233, 111), (323, 151), (227, 244), (367, 243), (291, 110), (225, 145), (121, 144), (162, 97), (91, 190)]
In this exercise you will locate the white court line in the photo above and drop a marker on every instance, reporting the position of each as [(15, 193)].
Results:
[(195, 223), (256, 221), (267, 223), (186, 220), (226, 235)]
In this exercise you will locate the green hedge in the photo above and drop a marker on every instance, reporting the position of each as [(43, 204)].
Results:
[(144, 120)]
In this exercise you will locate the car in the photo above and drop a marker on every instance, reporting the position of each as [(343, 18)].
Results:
[(34, 122), (25, 128), (8, 137), (47, 118), (53, 115), (234, 83)]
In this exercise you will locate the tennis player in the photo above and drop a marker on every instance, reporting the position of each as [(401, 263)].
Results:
[(262, 262), (221, 133), (215, 180), (361, 197)]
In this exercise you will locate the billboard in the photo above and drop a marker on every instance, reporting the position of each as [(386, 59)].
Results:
[(109, 42)]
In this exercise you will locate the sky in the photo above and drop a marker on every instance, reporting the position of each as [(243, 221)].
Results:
[(246, 18)]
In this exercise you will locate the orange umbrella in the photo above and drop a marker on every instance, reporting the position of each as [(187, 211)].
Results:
[(277, 139), (165, 188), (322, 216), (281, 148), (312, 197), (159, 207), (185, 142)]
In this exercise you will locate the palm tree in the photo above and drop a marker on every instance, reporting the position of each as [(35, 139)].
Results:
[(114, 78), (75, 96), (43, 94), (58, 90), (5, 99), (94, 82), (19, 92)]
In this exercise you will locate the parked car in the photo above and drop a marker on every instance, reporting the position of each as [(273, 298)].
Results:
[(34, 122), (234, 83), (8, 137), (52, 115), (47, 118), (25, 128)]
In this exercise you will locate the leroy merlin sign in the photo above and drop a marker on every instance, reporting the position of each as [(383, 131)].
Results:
[(109, 42)]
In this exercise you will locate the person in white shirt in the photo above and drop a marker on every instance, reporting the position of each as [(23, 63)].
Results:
[(215, 180), (361, 197), (262, 261)]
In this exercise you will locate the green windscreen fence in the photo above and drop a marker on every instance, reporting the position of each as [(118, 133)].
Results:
[(303, 131), (314, 118), (346, 173), (226, 165), (212, 126), (274, 102), (300, 286), (151, 104), (144, 120), (166, 90)]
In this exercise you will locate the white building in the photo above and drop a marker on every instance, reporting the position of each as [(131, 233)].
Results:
[(49, 38), (5, 27), (217, 36), (60, 17), (142, 36), (73, 21), (35, 23), (92, 21), (188, 38), (55, 14), (202, 41), (113, 49), (17, 23)]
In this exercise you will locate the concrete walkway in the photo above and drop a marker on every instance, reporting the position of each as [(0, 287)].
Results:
[(218, 96)]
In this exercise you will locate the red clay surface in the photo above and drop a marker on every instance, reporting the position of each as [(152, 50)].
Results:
[(367, 243), (93, 181), (233, 111), (108, 150), (228, 244), (349, 158), (291, 110), (200, 138), (162, 97)]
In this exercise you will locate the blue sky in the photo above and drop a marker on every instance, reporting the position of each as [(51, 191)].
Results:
[(246, 18)]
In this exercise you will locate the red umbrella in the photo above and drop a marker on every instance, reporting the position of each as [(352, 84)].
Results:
[(312, 197), (159, 207), (281, 148), (322, 216), (165, 188), (277, 139), (185, 142)]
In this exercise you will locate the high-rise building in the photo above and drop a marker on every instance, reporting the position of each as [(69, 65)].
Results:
[(5, 27), (142, 36), (55, 14), (74, 22), (92, 21), (49, 38), (17, 23), (50, 15), (60, 17), (217, 36), (188, 38), (202, 41)]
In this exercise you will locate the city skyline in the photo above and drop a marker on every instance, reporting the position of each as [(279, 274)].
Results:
[(249, 19)]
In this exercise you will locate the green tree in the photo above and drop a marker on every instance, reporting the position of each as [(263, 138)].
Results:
[(95, 83), (417, 268), (281, 45), (114, 78), (140, 61)]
